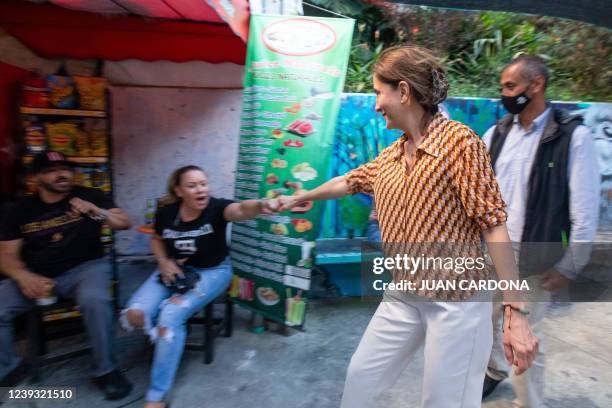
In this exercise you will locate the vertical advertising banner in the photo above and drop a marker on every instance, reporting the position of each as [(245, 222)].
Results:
[(295, 72)]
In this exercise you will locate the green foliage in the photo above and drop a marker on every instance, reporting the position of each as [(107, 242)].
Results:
[(475, 46), (577, 54), (476, 72), (359, 72)]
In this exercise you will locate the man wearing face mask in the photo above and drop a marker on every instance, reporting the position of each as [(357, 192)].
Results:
[(50, 245), (546, 167)]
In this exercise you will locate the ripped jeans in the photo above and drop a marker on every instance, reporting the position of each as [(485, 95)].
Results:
[(154, 300)]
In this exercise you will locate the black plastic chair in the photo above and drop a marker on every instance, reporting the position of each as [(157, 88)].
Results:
[(213, 326), (59, 320), (46, 323)]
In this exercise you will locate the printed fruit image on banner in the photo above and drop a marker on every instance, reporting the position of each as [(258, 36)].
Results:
[(294, 76)]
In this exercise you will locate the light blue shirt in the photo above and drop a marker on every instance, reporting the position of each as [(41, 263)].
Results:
[(513, 168)]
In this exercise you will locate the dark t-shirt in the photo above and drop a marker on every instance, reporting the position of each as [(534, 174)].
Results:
[(201, 241), (53, 239)]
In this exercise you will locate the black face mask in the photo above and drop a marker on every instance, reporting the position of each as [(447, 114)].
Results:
[(515, 104)]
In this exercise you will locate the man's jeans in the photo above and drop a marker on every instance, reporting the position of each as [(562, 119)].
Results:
[(88, 285), (154, 300)]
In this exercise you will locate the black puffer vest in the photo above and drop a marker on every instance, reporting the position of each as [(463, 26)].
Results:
[(547, 223)]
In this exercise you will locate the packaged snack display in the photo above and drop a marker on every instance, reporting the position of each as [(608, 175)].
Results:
[(81, 143), (35, 93), (91, 92), (96, 130), (100, 178), (31, 184), (77, 178), (35, 139), (83, 176), (62, 92), (61, 136)]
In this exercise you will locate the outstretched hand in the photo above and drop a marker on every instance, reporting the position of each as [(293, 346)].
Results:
[(270, 206), (287, 202)]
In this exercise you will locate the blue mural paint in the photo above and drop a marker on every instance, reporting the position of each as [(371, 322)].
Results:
[(479, 114), (361, 134)]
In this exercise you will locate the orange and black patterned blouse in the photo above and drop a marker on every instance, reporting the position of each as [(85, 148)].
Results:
[(449, 196)]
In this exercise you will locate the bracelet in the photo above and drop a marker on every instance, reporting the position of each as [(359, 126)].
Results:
[(261, 202), (100, 217), (516, 309)]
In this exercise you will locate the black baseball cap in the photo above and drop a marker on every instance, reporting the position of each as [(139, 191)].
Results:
[(48, 159)]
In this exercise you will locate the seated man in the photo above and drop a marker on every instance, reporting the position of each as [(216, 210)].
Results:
[(50, 242)]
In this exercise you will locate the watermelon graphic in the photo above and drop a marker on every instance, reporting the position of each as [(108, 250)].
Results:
[(300, 127)]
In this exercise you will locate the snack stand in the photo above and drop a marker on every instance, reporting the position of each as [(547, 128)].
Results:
[(69, 115), (71, 112)]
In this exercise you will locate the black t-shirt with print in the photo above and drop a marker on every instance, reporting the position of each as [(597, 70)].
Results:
[(54, 240), (201, 241)]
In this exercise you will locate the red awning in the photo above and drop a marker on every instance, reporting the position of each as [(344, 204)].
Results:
[(55, 32), (10, 77), (198, 10)]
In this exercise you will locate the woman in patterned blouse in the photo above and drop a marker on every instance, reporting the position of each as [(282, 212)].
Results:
[(434, 185)]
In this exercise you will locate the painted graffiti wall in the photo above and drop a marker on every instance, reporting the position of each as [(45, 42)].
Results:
[(361, 135)]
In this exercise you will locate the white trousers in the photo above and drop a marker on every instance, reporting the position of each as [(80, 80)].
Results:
[(457, 337)]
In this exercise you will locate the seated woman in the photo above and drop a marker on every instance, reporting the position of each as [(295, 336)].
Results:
[(189, 242)]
